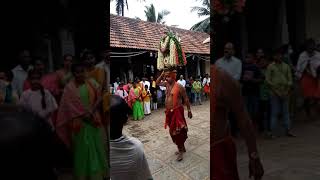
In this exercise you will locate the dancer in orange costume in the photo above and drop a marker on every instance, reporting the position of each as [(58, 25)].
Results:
[(227, 97), (175, 95)]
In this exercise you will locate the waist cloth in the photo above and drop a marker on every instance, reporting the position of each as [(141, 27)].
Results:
[(224, 162), (177, 125)]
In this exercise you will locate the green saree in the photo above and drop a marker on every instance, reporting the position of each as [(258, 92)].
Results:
[(90, 159), (137, 107)]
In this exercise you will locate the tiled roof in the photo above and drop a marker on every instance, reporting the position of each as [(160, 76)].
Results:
[(136, 34)]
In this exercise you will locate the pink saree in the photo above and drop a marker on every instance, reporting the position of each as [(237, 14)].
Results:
[(71, 109), (132, 97)]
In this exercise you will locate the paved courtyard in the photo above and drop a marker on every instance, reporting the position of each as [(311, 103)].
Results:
[(160, 149), (287, 158), (283, 158)]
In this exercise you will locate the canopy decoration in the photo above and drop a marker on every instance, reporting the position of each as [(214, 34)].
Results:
[(170, 52)]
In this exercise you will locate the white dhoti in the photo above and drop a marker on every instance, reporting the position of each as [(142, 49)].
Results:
[(147, 108)]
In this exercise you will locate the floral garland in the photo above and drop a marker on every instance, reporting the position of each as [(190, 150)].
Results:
[(181, 60), (225, 7), (170, 52)]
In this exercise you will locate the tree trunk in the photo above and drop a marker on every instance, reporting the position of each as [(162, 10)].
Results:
[(122, 7)]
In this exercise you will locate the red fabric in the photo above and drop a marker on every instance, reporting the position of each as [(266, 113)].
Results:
[(49, 82), (26, 85), (206, 89), (126, 87), (184, 57), (177, 57), (177, 125), (180, 139), (225, 160), (225, 7), (310, 86), (132, 97)]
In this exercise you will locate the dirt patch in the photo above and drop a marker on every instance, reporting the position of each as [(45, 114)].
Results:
[(136, 131)]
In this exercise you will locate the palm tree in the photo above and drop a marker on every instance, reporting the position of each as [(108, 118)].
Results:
[(120, 5), (150, 13), (204, 25)]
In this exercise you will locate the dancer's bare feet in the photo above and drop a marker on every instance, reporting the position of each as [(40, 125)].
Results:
[(180, 156), (178, 152)]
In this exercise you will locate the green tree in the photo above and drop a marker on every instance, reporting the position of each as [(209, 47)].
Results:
[(120, 5), (204, 25), (150, 13)]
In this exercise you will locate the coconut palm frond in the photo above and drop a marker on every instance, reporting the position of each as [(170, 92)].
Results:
[(150, 13), (121, 4), (202, 11), (206, 3), (127, 4), (202, 26), (119, 7), (161, 15)]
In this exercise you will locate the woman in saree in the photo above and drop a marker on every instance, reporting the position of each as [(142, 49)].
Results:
[(64, 74), (80, 127), (135, 101), (93, 72)]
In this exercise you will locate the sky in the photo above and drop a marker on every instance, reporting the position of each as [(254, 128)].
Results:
[(180, 11)]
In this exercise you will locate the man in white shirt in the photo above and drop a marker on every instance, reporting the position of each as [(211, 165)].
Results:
[(145, 82), (233, 66), (229, 63), (116, 85), (181, 81), (206, 85), (105, 65), (306, 72), (20, 72), (127, 158), (206, 80)]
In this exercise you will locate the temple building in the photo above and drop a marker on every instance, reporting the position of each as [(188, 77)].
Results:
[(134, 47)]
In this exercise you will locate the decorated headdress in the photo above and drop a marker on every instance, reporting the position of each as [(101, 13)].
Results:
[(170, 52), (172, 72)]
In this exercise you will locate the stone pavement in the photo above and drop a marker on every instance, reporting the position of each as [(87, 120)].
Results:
[(283, 158), (160, 149), (287, 158)]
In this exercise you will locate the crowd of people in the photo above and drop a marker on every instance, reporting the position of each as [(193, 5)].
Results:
[(268, 84), (144, 95), (69, 100), (74, 103)]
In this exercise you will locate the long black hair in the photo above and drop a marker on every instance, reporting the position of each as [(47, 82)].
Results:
[(38, 74)]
